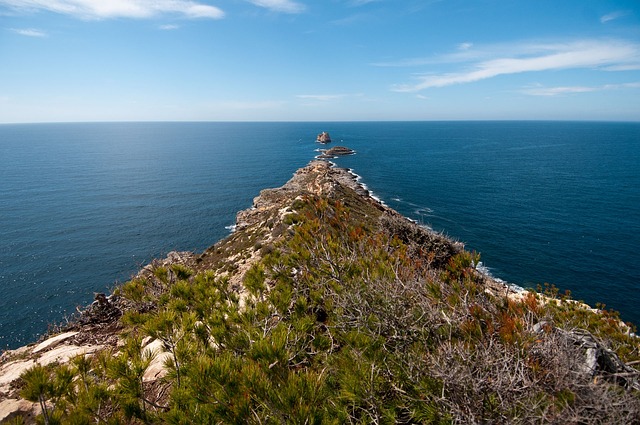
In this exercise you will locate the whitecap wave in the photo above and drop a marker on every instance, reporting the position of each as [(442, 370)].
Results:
[(423, 211), (423, 225), (486, 271), (365, 187)]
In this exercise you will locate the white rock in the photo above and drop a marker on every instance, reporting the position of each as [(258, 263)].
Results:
[(64, 353), (12, 371), (11, 408), (156, 369), (53, 341)]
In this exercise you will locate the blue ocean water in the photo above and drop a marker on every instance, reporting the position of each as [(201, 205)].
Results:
[(83, 206)]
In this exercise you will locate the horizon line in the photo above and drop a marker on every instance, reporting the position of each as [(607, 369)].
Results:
[(318, 121)]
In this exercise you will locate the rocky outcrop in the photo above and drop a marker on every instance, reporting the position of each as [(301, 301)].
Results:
[(335, 152), (318, 178), (94, 329), (323, 137), (58, 349), (594, 359)]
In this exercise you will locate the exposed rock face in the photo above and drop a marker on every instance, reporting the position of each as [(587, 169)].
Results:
[(12, 408), (323, 137)]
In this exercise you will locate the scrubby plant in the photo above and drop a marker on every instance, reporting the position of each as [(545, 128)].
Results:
[(345, 321), (48, 386)]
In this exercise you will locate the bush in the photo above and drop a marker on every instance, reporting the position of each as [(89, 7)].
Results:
[(345, 325)]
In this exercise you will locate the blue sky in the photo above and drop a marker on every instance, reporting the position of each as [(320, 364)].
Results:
[(303, 60)]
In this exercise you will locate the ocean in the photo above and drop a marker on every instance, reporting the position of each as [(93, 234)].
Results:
[(84, 206)]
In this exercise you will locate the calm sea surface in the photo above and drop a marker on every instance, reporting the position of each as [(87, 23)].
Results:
[(83, 206)]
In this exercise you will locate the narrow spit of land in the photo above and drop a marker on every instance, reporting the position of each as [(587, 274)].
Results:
[(326, 306)]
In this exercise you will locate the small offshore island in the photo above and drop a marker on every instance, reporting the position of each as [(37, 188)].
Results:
[(326, 306), (323, 137), (335, 152)]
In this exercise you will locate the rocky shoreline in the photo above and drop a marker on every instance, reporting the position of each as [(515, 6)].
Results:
[(258, 229)]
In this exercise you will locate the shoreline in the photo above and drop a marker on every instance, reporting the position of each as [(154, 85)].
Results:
[(54, 297), (480, 267), (259, 229)]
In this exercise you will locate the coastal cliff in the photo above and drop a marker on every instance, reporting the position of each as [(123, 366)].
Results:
[(326, 306)]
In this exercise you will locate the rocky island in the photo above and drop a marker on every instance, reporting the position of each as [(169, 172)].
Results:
[(335, 152), (323, 137), (326, 306)]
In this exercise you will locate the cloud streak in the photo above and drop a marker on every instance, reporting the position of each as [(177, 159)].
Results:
[(281, 6), (321, 97), (557, 91), (586, 54), (329, 97), (107, 9), (29, 32), (613, 16)]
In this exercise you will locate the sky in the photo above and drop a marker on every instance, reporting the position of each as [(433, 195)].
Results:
[(318, 60)]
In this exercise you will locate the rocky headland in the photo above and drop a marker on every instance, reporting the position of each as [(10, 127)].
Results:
[(326, 306)]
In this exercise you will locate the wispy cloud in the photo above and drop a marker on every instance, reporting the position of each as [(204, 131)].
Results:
[(169, 27), (585, 54), (321, 97), (329, 97), (29, 32), (105, 9), (463, 53), (613, 16), (282, 6), (556, 91)]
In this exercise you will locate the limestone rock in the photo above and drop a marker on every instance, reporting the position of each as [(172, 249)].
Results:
[(11, 371), (13, 408), (52, 342), (323, 137), (65, 353), (156, 369)]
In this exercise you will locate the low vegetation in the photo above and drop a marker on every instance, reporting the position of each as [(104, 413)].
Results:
[(344, 321)]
